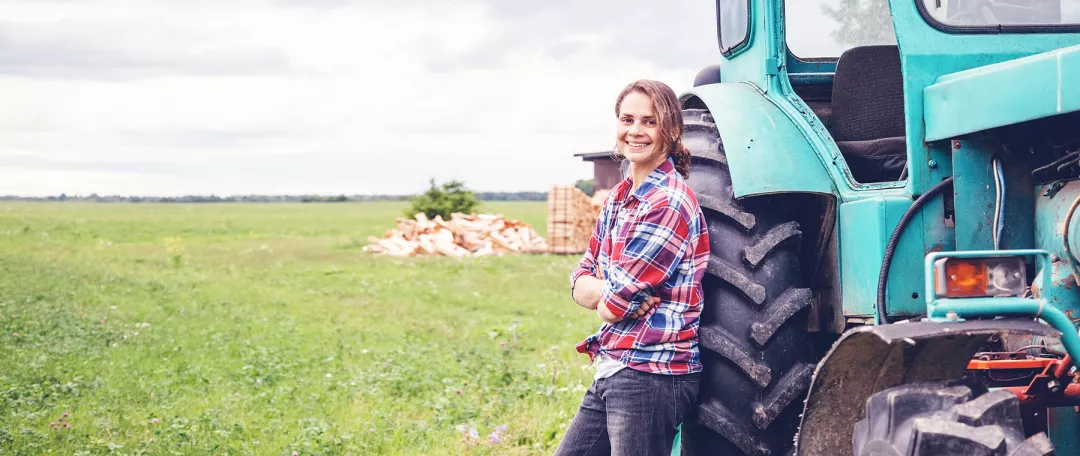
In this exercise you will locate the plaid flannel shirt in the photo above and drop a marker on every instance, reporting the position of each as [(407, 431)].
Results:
[(652, 242)]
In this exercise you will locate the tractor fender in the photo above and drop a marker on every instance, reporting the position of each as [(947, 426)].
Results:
[(766, 151), (869, 359)]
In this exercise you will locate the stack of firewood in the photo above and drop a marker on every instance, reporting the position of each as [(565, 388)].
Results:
[(571, 219), (462, 235)]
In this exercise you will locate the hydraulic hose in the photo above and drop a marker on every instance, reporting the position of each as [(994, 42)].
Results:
[(890, 248)]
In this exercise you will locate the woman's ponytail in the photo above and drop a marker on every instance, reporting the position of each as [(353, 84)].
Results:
[(681, 155)]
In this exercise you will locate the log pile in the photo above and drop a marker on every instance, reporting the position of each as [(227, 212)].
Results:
[(571, 219), (463, 235)]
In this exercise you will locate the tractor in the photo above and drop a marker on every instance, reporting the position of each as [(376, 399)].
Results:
[(894, 229)]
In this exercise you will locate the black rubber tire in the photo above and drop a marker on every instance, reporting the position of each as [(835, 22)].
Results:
[(753, 331), (940, 419)]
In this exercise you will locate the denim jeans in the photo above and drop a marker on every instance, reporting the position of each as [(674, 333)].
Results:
[(630, 413)]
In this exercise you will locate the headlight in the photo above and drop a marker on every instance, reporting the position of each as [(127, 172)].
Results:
[(979, 277)]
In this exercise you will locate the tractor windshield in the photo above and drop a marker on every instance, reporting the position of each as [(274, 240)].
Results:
[(982, 13), (826, 28)]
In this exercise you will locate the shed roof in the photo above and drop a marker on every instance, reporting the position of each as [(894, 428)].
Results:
[(593, 156)]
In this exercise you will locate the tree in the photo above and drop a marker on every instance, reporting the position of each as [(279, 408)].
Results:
[(862, 22), (452, 197), (586, 186)]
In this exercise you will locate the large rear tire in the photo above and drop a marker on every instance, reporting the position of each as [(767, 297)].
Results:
[(754, 319), (924, 419)]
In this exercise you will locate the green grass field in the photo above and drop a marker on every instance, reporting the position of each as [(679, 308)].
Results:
[(264, 329)]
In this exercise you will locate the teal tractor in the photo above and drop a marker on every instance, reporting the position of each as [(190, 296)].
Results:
[(894, 227)]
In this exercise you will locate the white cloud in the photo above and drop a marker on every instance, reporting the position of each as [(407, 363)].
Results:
[(170, 98)]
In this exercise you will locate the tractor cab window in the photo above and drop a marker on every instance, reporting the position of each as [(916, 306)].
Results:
[(1009, 13), (824, 29), (733, 23), (861, 102)]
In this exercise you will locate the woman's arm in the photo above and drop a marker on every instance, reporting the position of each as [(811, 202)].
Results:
[(653, 249), (585, 274), (587, 291)]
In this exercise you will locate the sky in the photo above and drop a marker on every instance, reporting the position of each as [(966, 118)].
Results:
[(165, 98)]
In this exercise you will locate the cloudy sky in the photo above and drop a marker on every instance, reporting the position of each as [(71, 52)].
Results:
[(156, 97)]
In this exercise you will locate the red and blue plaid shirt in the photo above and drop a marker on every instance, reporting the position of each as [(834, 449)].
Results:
[(652, 242)]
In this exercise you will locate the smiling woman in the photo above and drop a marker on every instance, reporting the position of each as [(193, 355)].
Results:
[(642, 275)]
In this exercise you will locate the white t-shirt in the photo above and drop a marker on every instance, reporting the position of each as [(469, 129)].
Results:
[(606, 366)]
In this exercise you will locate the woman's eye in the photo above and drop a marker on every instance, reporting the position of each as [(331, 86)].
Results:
[(651, 123)]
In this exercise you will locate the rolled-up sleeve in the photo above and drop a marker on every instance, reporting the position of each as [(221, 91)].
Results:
[(654, 246), (587, 265)]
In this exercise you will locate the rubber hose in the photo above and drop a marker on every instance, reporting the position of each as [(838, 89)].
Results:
[(890, 248)]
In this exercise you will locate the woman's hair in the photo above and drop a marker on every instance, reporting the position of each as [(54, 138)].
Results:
[(669, 116)]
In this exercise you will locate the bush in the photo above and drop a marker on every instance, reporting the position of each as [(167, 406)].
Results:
[(586, 186), (452, 197)]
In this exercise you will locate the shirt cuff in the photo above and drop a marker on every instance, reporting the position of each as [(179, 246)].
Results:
[(614, 302), (574, 278)]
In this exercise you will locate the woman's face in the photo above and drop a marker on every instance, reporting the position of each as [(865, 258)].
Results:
[(638, 130)]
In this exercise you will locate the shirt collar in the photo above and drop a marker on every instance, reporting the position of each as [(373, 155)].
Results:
[(658, 175)]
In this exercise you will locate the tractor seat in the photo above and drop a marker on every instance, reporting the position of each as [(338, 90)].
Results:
[(867, 119)]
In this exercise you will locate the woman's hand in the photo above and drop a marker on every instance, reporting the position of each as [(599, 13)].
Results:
[(642, 309)]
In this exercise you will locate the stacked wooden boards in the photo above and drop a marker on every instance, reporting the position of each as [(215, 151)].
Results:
[(571, 218)]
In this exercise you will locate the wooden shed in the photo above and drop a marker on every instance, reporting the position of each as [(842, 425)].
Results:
[(606, 169)]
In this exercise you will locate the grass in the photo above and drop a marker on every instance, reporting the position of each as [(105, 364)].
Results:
[(265, 329)]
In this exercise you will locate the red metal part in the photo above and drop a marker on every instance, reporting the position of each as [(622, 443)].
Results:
[(1054, 387), (1070, 396), (1030, 363)]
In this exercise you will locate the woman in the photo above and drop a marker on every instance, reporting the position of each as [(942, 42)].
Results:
[(642, 275)]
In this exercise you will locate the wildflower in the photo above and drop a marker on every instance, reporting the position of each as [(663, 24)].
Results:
[(497, 435), (258, 381), (53, 424), (458, 391), (295, 453), (65, 415), (154, 421), (67, 425)]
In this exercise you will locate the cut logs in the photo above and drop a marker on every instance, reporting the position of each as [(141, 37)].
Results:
[(463, 235)]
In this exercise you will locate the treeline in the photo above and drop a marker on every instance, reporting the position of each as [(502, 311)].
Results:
[(95, 198)]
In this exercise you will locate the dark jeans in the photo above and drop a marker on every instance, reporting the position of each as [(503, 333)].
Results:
[(630, 413)]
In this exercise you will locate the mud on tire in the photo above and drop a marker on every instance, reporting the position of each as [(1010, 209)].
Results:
[(753, 323), (924, 419)]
